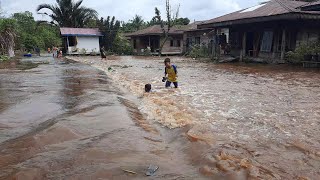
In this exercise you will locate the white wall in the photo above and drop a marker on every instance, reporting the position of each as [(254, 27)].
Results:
[(88, 43)]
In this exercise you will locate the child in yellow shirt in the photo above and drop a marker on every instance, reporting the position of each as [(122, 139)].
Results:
[(170, 73)]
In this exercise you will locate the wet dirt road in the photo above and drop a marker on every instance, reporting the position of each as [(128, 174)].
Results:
[(246, 121), (66, 120)]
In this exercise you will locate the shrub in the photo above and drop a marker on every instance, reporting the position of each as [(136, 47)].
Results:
[(302, 51), (122, 46), (147, 52), (83, 51), (198, 51), (94, 52), (4, 58)]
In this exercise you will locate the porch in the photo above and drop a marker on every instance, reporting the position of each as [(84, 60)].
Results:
[(269, 41)]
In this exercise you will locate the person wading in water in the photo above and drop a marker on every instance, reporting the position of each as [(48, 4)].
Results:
[(102, 53)]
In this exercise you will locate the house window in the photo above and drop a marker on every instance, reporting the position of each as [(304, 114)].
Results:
[(266, 44), (188, 43), (171, 43), (175, 43), (178, 43), (197, 40), (72, 40)]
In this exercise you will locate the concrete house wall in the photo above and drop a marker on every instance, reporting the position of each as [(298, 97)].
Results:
[(90, 44), (141, 43), (168, 49), (189, 39)]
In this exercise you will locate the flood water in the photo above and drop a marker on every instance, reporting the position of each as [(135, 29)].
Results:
[(61, 119), (242, 121)]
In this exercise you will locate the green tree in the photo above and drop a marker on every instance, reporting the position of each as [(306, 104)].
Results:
[(50, 36), (109, 28), (122, 46), (31, 34), (137, 22), (166, 25), (67, 13), (182, 21)]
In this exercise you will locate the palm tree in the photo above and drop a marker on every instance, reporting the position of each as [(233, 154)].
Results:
[(67, 13), (137, 22)]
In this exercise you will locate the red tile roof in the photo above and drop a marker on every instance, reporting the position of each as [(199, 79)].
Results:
[(267, 9), (80, 32)]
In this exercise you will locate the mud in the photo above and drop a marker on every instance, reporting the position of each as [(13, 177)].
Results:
[(242, 121)]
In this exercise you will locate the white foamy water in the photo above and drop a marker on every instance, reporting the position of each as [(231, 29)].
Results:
[(256, 106)]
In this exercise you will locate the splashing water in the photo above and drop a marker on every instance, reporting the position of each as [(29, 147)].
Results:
[(255, 119)]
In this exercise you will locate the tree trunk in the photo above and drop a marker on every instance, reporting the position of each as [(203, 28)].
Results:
[(162, 44), (11, 51)]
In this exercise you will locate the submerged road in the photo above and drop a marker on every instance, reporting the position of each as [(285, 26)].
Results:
[(66, 120)]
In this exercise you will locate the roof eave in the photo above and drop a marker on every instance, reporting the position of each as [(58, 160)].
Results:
[(287, 16), (82, 35), (153, 34)]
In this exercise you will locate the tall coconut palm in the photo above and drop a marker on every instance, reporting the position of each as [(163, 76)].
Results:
[(137, 22), (67, 13)]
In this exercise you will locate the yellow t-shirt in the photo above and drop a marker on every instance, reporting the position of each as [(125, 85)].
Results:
[(172, 76)]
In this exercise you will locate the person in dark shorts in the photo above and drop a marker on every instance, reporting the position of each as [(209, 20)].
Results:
[(170, 73), (102, 53)]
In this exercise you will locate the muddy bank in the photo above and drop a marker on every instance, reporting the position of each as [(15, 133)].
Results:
[(246, 120)]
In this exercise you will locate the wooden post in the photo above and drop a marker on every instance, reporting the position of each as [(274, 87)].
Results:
[(67, 44), (275, 44), (214, 45), (149, 42), (244, 43), (283, 44)]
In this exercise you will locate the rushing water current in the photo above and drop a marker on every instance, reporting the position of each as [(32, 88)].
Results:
[(63, 119)]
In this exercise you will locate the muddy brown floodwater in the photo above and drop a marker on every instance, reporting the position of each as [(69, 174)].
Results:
[(90, 119), (67, 120), (242, 121)]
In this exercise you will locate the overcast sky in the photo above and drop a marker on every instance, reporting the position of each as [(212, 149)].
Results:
[(126, 9)]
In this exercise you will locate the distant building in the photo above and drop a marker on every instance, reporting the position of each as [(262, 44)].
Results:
[(268, 30), (81, 40), (197, 37), (151, 38)]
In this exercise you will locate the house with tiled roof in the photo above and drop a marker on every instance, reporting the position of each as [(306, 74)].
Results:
[(268, 30), (193, 36), (81, 40), (151, 38)]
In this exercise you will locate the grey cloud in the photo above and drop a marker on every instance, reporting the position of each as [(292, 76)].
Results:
[(126, 9)]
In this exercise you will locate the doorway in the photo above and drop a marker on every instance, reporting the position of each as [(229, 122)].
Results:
[(249, 43)]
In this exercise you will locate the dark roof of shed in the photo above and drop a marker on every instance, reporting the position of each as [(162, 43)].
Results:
[(80, 32), (267, 9), (193, 27), (157, 30)]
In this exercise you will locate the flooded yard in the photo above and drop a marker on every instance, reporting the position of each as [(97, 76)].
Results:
[(245, 120), (61, 119)]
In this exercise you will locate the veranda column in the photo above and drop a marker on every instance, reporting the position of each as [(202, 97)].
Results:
[(283, 44), (244, 43)]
